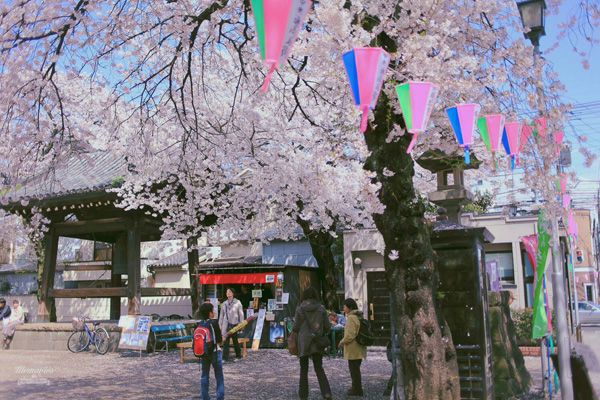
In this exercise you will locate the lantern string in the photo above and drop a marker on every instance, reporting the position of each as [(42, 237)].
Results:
[(268, 78), (412, 142), (364, 119)]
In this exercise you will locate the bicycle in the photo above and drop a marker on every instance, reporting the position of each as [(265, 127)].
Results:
[(82, 336)]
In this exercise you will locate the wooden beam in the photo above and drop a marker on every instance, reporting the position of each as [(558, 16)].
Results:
[(166, 292), (89, 292), (89, 267), (93, 226)]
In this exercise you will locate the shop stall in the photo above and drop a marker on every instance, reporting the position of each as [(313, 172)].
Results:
[(271, 290)]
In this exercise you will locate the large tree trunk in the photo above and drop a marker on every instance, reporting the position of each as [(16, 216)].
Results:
[(320, 244), (427, 365)]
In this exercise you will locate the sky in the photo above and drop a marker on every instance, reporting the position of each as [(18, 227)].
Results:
[(583, 93)]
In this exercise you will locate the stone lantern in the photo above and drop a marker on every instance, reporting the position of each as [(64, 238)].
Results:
[(451, 192)]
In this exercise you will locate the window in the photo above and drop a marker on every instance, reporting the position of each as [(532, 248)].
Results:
[(506, 269), (527, 279), (589, 291), (102, 251)]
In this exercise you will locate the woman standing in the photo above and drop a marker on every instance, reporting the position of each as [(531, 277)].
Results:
[(311, 320), (232, 313), (353, 351)]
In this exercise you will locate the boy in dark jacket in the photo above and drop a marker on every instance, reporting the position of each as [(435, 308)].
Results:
[(207, 312)]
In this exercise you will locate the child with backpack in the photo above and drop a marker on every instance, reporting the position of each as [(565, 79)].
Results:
[(354, 351), (206, 347)]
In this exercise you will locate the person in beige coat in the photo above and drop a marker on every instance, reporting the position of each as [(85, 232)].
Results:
[(232, 313), (353, 351)]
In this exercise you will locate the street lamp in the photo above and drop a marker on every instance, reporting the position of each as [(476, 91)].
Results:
[(532, 17)]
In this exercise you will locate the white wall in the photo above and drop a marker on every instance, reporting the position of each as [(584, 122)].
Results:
[(99, 309), (361, 244)]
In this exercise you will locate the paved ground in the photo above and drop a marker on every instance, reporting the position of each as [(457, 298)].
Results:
[(266, 374)]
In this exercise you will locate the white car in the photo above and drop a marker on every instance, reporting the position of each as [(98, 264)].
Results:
[(589, 313)]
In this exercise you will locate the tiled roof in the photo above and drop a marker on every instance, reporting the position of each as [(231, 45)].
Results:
[(177, 259), (89, 172), (18, 265)]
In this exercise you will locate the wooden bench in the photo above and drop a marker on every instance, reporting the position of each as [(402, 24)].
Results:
[(188, 345), (168, 333)]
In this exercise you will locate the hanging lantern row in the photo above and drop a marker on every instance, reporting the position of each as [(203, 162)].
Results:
[(278, 23)]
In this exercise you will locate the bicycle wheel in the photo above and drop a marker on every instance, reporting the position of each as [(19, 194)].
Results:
[(101, 341), (78, 341)]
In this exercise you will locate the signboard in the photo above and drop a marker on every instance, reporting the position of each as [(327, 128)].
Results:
[(259, 328), (256, 293), (135, 331), (492, 267)]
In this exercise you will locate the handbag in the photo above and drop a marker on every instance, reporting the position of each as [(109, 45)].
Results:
[(292, 343), (321, 342)]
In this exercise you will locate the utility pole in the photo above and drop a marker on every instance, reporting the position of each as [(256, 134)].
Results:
[(532, 16)]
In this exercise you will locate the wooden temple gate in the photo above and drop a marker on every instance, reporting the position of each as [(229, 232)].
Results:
[(84, 209)]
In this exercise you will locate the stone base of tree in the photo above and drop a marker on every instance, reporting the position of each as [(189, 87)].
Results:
[(510, 375)]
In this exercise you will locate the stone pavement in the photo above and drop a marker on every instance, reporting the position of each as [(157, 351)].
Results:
[(266, 374)]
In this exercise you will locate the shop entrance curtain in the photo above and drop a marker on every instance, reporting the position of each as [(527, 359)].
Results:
[(255, 277)]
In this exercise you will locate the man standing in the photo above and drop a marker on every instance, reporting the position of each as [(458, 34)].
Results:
[(16, 318), (232, 313), (207, 313)]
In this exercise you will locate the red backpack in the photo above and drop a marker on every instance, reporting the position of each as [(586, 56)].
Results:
[(204, 340)]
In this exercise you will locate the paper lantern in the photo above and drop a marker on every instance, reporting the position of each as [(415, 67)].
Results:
[(416, 101), (462, 118), (558, 137), (566, 201), (365, 68), (540, 126), (561, 183), (277, 25), (491, 128), (526, 130), (510, 141)]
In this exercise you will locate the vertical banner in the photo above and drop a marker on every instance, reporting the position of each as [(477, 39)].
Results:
[(540, 319)]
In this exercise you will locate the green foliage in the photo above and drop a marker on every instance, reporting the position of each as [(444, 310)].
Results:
[(483, 201), (429, 206), (118, 181), (4, 287), (523, 319)]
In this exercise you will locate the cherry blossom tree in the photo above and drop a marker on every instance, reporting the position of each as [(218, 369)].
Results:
[(174, 86)]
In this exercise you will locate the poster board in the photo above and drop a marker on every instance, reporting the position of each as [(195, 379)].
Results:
[(260, 322), (135, 331)]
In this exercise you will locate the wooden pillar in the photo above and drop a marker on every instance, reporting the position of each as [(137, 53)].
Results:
[(134, 291), (193, 261), (119, 261), (115, 302), (46, 306)]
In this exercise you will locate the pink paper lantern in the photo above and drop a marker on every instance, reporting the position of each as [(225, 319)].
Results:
[(277, 25), (526, 130), (558, 137), (512, 131), (540, 126), (365, 68), (462, 119), (416, 101), (491, 128)]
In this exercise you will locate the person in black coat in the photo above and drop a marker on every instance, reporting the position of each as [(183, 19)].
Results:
[(311, 312), (4, 310)]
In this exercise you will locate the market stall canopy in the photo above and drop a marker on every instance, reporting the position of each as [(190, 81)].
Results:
[(254, 277)]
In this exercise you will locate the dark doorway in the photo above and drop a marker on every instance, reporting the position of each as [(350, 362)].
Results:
[(378, 307)]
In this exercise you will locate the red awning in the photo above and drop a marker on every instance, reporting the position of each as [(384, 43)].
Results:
[(255, 277)]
